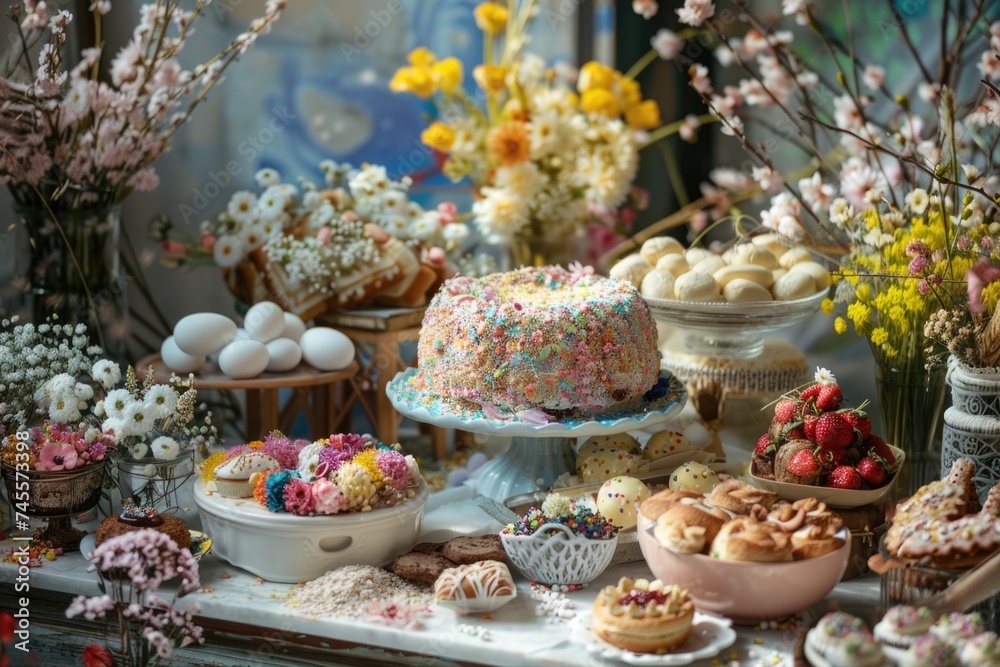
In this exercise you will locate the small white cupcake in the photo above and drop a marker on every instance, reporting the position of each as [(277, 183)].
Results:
[(832, 628), (929, 651), (235, 477), (902, 625), (956, 627), (856, 649), (983, 650)]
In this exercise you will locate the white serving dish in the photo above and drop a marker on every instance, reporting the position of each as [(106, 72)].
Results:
[(285, 548), (842, 498)]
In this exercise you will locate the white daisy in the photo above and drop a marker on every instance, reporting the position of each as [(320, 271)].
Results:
[(115, 403), (137, 419), (500, 213), (229, 251), (272, 203), (824, 376), (242, 207), (107, 372), (393, 202), (522, 180), (267, 177), (254, 236), (917, 201), (161, 401), (455, 231), (63, 408), (309, 460), (424, 228), (165, 448)]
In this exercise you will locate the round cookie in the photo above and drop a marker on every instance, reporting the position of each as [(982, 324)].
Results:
[(594, 443), (696, 286), (758, 274), (665, 443), (740, 290), (793, 256), (709, 265), (607, 463), (633, 269), (619, 498), (658, 284), (675, 264), (748, 253), (794, 285), (693, 476), (658, 246), (695, 255), (819, 274)]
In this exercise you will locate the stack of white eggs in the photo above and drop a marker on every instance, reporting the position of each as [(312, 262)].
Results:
[(765, 269), (270, 340)]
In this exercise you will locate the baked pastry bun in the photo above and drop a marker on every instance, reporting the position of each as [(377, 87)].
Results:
[(660, 502), (480, 581), (739, 497), (689, 526), (752, 540), (643, 616)]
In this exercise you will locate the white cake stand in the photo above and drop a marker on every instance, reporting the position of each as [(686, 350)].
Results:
[(537, 454)]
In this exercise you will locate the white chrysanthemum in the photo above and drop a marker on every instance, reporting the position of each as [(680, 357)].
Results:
[(116, 402), (424, 228), (414, 210), (107, 372), (242, 207), (137, 419), (917, 201), (393, 201), (267, 177), (63, 408), (254, 236), (229, 251), (522, 179), (396, 225), (165, 448), (500, 213), (309, 460), (138, 450), (546, 133), (161, 401), (455, 231), (840, 212), (272, 203), (824, 376), (555, 506)]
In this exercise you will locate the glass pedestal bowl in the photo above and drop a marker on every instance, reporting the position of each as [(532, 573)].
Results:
[(731, 330)]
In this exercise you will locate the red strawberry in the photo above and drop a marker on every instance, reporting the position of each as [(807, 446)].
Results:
[(809, 427), (872, 472), (784, 410), (833, 431), (764, 446), (803, 463), (829, 397), (859, 421), (812, 391), (844, 477), (876, 447), (795, 432)]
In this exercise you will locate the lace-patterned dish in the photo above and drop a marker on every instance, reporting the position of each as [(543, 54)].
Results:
[(561, 557), (710, 635)]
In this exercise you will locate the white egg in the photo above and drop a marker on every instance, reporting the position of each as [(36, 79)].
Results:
[(326, 349), (285, 355), (243, 359), (177, 360), (204, 333), (294, 327), (264, 321), (241, 334)]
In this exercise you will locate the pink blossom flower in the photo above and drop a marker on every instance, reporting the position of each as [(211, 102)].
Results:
[(324, 235), (917, 265), (923, 287), (448, 211), (327, 497), (980, 275), (916, 248), (56, 456), (695, 12), (645, 8), (699, 79), (394, 468), (667, 43), (299, 497), (873, 77)]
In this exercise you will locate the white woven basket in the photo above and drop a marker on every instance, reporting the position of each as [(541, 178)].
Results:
[(560, 558)]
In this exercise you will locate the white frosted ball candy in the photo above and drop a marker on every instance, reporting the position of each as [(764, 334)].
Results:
[(243, 359), (794, 285), (819, 273), (326, 349), (693, 476), (633, 269), (777, 273), (264, 321), (758, 274), (696, 286), (675, 264), (658, 246), (748, 253), (607, 463), (177, 359), (740, 290), (591, 445), (204, 333), (776, 243), (619, 498), (709, 264), (294, 327), (658, 284), (695, 255), (665, 443), (285, 354), (795, 255)]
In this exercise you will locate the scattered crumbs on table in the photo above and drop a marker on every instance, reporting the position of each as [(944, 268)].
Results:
[(225, 575), (260, 580), (758, 640), (475, 631), (207, 589), (348, 591)]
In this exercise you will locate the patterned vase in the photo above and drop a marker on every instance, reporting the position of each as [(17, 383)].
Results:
[(972, 424)]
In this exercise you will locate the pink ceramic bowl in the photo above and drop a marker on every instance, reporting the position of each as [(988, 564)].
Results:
[(744, 591)]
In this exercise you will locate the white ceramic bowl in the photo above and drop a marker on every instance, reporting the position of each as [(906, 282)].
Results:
[(843, 498), (561, 558), (744, 591), (290, 549)]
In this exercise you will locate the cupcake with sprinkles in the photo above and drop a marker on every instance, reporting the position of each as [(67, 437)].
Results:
[(902, 625), (929, 651), (981, 651), (956, 627)]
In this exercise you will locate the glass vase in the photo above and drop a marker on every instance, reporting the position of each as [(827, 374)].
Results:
[(911, 401), (86, 285), (156, 483)]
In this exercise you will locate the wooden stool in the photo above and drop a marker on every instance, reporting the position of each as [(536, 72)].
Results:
[(383, 330), (314, 393)]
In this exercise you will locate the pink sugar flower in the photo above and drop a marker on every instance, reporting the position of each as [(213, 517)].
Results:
[(56, 456), (327, 497), (394, 468), (299, 497)]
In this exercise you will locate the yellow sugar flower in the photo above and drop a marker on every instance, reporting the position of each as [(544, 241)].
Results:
[(209, 465), (827, 306), (631, 93), (366, 460), (491, 78), (840, 325), (447, 74), (643, 116), (596, 75), (490, 17), (421, 57), (439, 136), (416, 80), (601, 102)]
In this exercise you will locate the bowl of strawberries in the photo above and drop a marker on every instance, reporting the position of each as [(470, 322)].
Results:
[(817, 447)]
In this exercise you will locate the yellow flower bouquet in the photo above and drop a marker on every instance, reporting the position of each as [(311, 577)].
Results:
[(544, 155)]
